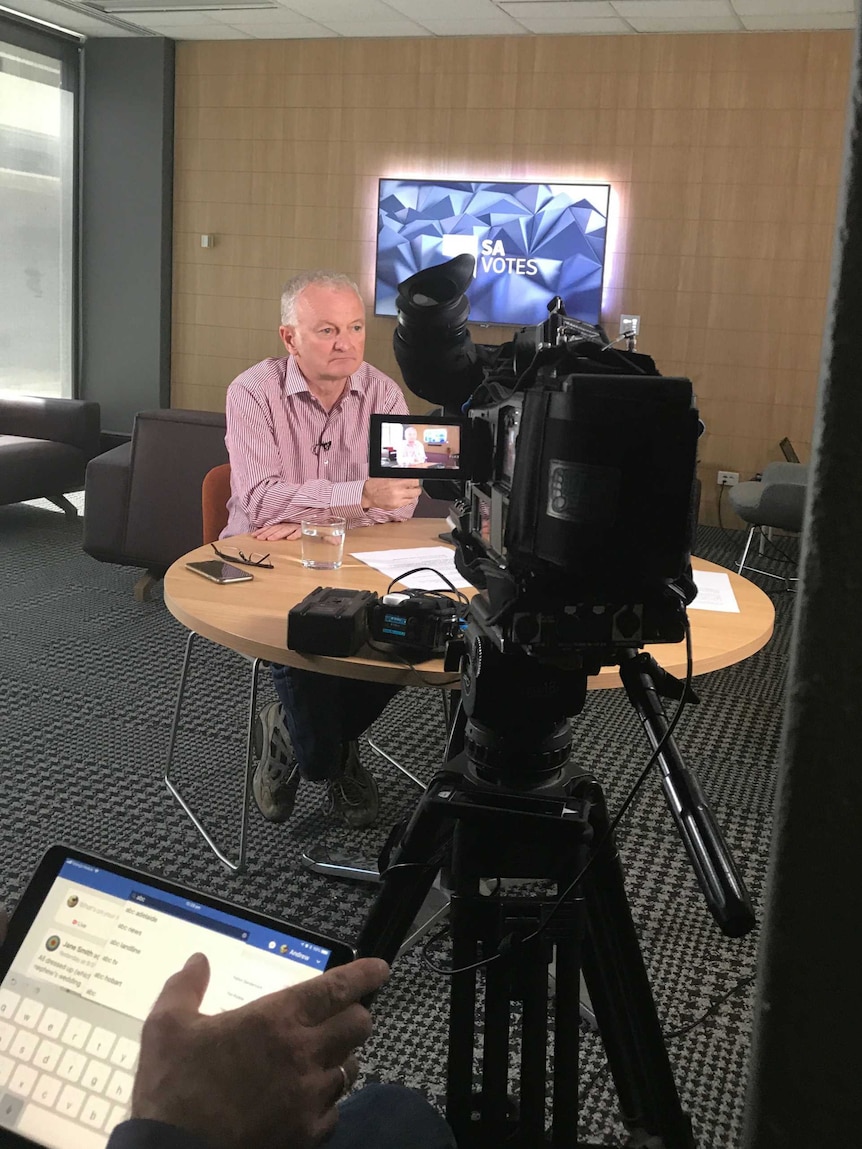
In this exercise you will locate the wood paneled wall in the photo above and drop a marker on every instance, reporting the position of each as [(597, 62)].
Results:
[(724, 152)]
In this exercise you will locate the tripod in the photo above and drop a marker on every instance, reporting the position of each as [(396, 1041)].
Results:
[(511, 806)]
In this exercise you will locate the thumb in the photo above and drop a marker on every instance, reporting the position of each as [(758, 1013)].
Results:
[(184, 991)]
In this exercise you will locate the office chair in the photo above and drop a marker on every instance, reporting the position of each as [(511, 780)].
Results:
[(777, 501), (215, 491)]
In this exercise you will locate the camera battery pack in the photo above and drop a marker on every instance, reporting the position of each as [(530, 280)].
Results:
[(330, 621)]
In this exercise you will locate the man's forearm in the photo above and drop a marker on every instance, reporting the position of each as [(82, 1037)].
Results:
[(279, 502), (377, 515)]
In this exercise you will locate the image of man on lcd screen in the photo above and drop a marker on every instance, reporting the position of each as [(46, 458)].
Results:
[(411, 453)]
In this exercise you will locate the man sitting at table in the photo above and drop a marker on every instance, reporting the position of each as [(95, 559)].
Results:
[(297, 437)]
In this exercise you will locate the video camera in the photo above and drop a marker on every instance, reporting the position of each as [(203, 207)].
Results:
[(572, 468)]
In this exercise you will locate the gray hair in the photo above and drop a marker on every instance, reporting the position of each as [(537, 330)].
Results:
[(295, 287)]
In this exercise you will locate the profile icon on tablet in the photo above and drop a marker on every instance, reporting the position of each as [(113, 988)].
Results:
[(72, 901)]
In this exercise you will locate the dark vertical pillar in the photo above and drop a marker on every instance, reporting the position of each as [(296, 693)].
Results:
[(126, 220), (804, 1088)]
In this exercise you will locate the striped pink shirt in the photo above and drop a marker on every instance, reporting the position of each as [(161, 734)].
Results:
[(274, 425)]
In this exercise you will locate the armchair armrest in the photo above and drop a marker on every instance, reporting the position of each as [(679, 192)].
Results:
[(107, 502), (75, 422)]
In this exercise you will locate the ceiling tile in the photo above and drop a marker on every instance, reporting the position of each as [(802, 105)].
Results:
[(443, 9), (169, 19), (800, 22), (210, 31), (309, 31), (356, 10), (586, 25), (393, 26), (529, 13), (499, 25), (684, 10), (287, 20), (790, 7), (726, 22)]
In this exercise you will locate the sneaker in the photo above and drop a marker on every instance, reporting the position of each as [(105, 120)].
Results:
[(352, 796), (276, 776)]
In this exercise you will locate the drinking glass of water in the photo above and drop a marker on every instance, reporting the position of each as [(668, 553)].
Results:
[(323, 544)]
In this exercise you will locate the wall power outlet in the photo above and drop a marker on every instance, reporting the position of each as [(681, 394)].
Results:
[(728, 478)]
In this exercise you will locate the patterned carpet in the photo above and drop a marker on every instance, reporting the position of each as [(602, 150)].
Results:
[(87, 682)]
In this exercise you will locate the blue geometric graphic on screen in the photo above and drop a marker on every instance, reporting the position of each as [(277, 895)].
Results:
[(561, 229)]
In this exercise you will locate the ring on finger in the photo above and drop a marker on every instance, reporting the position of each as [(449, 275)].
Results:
[(345, 1081)]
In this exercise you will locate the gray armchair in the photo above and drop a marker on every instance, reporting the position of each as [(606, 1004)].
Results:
[(144, 497), (45, 445)]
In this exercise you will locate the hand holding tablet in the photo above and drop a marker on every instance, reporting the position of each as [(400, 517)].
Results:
[(295, 1048), (93, 950)]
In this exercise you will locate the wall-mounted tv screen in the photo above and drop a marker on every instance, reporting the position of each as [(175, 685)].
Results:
[(531, 241)]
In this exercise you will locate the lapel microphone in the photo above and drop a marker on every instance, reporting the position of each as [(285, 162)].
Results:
[(321, 445)]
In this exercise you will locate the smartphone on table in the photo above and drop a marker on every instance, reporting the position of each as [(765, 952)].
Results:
[(217, 571), (89, 947)]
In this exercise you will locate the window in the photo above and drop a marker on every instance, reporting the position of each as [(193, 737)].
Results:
[(38, 85)]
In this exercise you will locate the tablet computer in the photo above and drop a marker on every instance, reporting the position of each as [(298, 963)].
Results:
[(89, 947)]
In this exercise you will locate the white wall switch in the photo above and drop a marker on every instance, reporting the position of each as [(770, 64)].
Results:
[(630, 324)]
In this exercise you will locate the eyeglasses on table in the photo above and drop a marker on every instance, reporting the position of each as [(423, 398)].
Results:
[(246, 560)]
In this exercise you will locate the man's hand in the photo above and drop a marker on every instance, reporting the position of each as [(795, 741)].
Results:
[(389, 494), (278, 531), (265, 1075)]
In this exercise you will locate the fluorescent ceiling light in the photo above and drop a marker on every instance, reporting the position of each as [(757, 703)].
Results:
[(42, 23)]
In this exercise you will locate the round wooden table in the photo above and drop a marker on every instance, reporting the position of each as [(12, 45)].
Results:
[(251, 617)]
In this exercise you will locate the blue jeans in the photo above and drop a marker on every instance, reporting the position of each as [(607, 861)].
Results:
[(389, 1117), (323, 712)]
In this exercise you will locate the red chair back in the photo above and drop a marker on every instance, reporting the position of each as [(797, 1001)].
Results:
[(215, 492)]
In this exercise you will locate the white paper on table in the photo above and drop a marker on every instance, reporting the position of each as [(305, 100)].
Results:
[(394, 563), (714, 592)]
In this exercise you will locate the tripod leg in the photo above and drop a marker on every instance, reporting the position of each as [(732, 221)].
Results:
[(566, 1042), (462, 1028), (620, 992), (533, 974), (712, 861), (413, 865)]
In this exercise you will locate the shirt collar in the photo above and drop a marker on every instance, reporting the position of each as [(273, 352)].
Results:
[(295, 382)]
